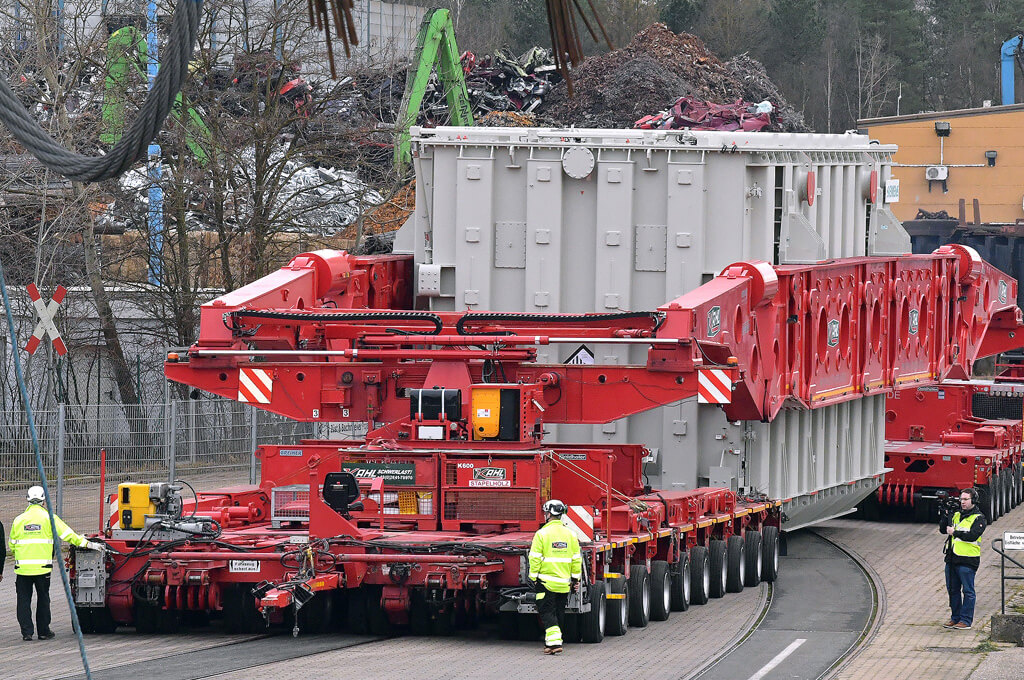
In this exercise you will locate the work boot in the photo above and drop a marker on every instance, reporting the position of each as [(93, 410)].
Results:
[(961, 626), (47, 636), (555, 650), (949, 624), (26, 638)]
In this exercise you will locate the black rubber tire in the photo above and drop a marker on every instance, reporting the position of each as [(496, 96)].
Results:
[(592, 623), (717, 550), (1008, 503), (661, 591), (146, 618), (681, 582), (997, 489), (639, 596), (240, 612), (103, 622), (735, 558), (987, 501), (443, 623), (769, 554), (700, 575), (922, 511), (315, 616), (358, 622), (754, 559), (1020, 482), (419, 615), (508, 625), (617, 619), (530, 629), (571, 630)]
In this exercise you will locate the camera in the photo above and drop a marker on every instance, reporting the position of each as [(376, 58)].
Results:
[(947, 504)]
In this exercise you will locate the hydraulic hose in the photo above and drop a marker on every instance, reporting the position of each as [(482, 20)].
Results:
[(134, 144)]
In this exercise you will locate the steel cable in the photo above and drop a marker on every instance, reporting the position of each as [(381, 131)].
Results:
[(135, 142)]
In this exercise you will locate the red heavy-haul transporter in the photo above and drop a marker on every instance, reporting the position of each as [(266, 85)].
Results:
[(427, 521)]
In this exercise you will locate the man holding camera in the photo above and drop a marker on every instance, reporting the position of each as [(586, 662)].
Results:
[(963, 556)]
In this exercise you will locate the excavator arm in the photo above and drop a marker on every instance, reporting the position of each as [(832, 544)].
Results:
[(334, 337)]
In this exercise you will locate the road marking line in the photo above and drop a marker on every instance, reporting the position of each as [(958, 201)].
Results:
[(779, 658)]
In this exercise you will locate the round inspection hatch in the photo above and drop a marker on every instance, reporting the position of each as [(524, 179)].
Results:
[(578, 162)]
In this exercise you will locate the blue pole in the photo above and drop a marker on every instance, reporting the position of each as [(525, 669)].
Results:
[(155, 216), (1006, 55)]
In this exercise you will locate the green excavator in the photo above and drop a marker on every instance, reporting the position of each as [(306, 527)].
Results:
[(435, 45)]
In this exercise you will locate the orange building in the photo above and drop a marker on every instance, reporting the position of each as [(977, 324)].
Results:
[(949, 156)]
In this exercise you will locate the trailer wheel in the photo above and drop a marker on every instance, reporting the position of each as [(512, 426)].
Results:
[(358, 621), (315, 615), (96, 620), (997, 492), (571, 629), (681, 581), (508, 625), (719, 567), (1020, 481), (239, 608), (769, 554), (736, 564), (700, 575), (376, 617), (661, 591), (987, 500), (753, 558), (1008, 503), (592, 623), (639, 596), (617, 619)]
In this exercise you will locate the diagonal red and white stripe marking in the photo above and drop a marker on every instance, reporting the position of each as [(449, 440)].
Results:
[(255, 386), (579, 519), (714, 386), (45, 326)]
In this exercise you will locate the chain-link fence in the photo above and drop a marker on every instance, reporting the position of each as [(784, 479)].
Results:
[(204, 438)]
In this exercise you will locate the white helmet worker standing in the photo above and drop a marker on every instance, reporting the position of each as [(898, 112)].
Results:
[(34, 548), (555, 569)]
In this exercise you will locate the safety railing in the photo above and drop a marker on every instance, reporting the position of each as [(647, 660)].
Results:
[(1010, 540)]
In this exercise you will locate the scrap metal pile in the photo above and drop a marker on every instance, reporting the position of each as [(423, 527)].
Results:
[(652, 72)]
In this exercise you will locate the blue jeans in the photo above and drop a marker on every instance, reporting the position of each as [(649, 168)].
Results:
[(959, 576)]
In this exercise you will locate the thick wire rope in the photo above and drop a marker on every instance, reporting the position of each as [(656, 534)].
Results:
[(42, 473), (134, 144)]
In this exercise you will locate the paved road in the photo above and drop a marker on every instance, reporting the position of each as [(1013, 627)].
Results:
[(817, 613)]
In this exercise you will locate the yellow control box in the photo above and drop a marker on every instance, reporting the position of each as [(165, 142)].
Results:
[(133, 504), (485, 411)]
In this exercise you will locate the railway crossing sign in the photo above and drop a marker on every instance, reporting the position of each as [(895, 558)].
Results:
[(45, 326)]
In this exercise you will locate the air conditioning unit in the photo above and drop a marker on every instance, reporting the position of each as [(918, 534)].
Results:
[(937, 173)]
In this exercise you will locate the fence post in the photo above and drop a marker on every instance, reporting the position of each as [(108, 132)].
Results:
[(252, 444), (172, 436), (60, 459)]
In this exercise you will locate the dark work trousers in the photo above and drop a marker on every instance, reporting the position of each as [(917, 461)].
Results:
[(24, 585), (552, 614)]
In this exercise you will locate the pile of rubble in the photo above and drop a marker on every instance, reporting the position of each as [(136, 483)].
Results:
[(653, 71)]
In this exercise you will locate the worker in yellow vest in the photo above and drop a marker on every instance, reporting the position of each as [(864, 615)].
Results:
[(34, 549), (963, 556), (555, 569)]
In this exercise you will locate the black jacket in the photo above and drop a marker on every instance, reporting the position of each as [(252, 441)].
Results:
[(977, 528)]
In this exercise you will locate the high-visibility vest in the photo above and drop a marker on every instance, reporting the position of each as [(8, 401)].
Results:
[(961, 547), (555, 556), (31, 540)]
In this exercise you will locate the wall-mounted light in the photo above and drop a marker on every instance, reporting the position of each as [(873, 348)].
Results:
[(942, 128), (991, 156)]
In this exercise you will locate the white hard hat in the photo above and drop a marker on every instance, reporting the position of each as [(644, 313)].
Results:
[(554, 507), (36, 493)]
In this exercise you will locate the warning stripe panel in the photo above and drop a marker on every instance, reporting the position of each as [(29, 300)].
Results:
[(254, 386), (714, 386), (578, 519)]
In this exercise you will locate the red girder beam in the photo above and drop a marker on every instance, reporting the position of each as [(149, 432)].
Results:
[(806, 336)]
